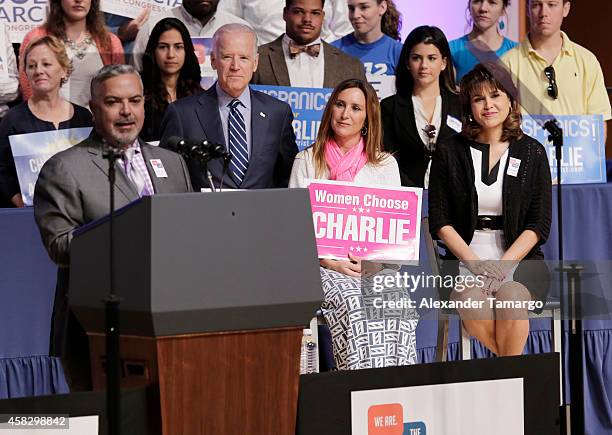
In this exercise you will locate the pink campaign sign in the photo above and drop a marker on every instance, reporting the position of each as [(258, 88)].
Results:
[(380, 223)]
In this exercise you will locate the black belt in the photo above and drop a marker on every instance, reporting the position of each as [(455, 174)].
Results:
[(490, 223)]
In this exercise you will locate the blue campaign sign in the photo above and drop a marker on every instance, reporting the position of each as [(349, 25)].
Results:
[(307, 105), (584, 150), (32, 150)]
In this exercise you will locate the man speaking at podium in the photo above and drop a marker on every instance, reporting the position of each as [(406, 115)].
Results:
[(73, 188)]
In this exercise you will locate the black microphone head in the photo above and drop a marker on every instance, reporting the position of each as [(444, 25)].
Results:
[(174, 143), (219, 150)]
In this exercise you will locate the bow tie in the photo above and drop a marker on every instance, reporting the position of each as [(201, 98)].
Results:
[(311, 50)]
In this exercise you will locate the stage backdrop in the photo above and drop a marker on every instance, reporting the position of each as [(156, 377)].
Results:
[(451, 21)]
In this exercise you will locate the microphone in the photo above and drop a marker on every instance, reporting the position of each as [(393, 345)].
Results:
[(198, 149), (555, 134)]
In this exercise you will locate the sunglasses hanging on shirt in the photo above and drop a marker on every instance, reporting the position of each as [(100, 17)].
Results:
[(552, 90)]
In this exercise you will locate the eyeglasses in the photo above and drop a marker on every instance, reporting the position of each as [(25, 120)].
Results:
[(552, 90)]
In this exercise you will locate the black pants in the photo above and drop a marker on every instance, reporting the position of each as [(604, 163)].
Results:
[(68, 338)]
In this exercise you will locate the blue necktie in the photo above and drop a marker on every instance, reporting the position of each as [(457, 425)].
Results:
[(237, 142)]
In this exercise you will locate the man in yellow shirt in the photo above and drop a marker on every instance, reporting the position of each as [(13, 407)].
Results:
[(552, 74)]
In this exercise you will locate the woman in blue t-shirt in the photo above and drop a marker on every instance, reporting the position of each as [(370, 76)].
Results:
[(375, 40), (484, 43)]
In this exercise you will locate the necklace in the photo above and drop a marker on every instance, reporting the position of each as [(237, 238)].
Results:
[(430, 132), (79, 48)]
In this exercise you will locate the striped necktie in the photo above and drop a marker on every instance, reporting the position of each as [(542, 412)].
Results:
[(237, 142)]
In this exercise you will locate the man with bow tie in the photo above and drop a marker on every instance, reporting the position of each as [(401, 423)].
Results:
[(300, 58)]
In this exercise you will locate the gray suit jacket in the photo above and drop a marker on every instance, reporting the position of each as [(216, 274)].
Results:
[(72, 190), (272, 68)]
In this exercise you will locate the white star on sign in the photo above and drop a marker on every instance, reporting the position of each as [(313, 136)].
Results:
[(358, 249), (360, 209)]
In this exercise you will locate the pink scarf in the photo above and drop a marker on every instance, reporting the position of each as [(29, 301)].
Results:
[(344, 166)]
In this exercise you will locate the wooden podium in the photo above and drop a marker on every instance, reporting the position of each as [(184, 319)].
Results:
[(214, 299)]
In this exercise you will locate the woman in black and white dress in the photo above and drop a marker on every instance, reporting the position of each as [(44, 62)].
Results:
[(348, 148), (490, 203)]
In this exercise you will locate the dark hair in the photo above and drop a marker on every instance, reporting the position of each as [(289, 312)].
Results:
[(391, 23), (372, 125), (290, 2), (404, 82), (488, 76), (95, 23), (189, 77)]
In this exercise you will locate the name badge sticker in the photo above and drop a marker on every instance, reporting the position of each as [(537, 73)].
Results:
[(453, 123), (513, 167), (158, 168)]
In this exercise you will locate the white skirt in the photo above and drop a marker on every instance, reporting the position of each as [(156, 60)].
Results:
[(488, 245)]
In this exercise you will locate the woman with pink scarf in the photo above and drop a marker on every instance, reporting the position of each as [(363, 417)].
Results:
[(348, 148)]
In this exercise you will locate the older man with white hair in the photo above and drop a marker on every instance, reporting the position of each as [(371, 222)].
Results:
[(255, 129)]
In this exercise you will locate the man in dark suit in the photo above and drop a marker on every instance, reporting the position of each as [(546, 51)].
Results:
[(72, 188), (255, 128), (299, 57)]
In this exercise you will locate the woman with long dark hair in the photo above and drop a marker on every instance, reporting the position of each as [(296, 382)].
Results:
[(490, 203), (425, 109), (375, 40), (89, 45), (484, 42), (170, 71), (348, 148)]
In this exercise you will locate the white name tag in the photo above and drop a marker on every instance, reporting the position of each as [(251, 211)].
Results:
[(513, 166), (453, 123), (158, 168)]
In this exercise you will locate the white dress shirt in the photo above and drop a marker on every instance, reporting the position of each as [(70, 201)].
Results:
[(223, 100), (194, 26), (421, 121), (305, 71), (421, 118), (9, 81), (266, 17)]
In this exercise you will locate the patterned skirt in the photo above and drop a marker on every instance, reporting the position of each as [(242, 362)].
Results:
[(364, 334)]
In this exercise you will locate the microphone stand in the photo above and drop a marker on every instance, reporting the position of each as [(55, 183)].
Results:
[(204, 153), (203, 158), (226, 162), (113, 361), (555, 134), (574, 418)]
